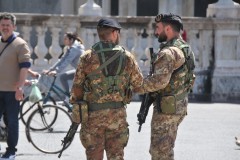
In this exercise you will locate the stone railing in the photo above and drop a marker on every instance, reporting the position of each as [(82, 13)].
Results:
[(214, 41)]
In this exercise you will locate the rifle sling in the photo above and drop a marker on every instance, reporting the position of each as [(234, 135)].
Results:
[(110, 60)]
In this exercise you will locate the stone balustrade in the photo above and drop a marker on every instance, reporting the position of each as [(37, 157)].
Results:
[(214, 41)]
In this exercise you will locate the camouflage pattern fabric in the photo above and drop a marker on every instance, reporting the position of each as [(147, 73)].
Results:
[(89, 62), (164, 131), (80, 112), (164, 126), (105, 129), (167, 60)]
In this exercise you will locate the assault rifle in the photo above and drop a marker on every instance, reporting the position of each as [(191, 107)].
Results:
[(147, 99), (69, 137)]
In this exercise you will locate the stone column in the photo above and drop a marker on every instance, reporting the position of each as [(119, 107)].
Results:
[(106, 7), (226, 74), (187, 8), (67, 7), (123, 7), (162, 6), (170, 6), (132, 7)]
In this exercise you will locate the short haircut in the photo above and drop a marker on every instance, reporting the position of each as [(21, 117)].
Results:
[(173, 20), (8, 16), (175, 27)]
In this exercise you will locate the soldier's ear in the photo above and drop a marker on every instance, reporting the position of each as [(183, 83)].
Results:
[(168, 28)]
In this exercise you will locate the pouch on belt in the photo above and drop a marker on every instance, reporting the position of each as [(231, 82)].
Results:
[(80, 112), (168, 104)]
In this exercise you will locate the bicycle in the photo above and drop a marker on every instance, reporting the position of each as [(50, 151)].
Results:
[(26, 106), (45, 125)]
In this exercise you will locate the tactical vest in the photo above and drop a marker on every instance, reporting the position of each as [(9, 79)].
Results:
[(182, 79), (112, 79)]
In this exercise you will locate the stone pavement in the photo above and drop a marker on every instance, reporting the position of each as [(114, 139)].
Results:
[(207, 133)]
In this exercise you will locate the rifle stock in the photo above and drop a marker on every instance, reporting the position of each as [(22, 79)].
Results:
[(69, 137)]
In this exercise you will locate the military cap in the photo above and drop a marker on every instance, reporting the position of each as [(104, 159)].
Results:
[(107, 22), (170, 18)]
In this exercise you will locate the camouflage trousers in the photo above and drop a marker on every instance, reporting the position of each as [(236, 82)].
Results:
[(164, 131), (105, 130)]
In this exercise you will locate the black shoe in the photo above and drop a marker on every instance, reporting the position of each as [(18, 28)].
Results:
[(8, 156)]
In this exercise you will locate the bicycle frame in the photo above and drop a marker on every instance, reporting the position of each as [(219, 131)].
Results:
[(55, 89)]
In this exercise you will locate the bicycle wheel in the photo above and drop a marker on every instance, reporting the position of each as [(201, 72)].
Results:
[(26, 108), (49, 139)]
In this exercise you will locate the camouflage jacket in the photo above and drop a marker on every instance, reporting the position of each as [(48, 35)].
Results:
[(88, 63), (167, 60)]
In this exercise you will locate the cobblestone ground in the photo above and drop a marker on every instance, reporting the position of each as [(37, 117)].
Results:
[(207, 133)]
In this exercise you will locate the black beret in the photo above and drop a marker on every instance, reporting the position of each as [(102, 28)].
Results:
[(170, 18), (107, 22)]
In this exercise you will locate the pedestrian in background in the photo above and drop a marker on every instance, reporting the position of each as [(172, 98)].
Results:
[(170, 84), (104, 78), (74, 48), (14, 65)]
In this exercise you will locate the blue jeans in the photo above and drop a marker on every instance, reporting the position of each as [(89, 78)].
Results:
[(9, 107), (65, 77)]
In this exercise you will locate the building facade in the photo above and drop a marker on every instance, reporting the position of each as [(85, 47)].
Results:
[(188, 8), (213, 38)]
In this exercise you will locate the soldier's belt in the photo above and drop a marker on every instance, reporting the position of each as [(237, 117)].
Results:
[(102, 106)]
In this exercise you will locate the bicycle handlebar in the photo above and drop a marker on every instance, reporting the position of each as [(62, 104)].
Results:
[(35, 81)]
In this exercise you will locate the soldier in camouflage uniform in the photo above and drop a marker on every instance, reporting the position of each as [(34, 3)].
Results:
[(171, 81), (104, 78)]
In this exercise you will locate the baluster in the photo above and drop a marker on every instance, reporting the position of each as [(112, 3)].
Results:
[(26, 36), (55, 50), (89, 38), (135, 47), (130, 39), (95, 36), (123, 38), (149, 43), (41, 49), (145, 48), (82, 33), (137, 50), (86, 34), (144, 44)]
